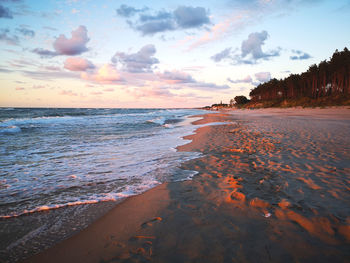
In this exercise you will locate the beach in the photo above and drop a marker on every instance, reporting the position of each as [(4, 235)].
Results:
[(272, 186), (175, 131)]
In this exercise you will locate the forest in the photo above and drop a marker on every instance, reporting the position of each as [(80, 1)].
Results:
[(327, 79)]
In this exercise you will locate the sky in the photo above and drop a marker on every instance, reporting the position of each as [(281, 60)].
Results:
[(159, 54)]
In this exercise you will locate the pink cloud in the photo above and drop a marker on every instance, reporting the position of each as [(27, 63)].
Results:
[(74, 45), (107, 74), (68, 93), (263, 76), (96, 93), (38, 87), (78, 64), (220, 30), (247, 79), (141, 61), (185, 80), (109, 89), (175, 77), (20, 88), (155, 92)]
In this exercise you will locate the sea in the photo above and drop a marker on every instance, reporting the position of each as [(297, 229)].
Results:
[(56, 157)]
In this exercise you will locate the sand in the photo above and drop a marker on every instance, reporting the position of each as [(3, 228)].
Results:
[(272, 186)]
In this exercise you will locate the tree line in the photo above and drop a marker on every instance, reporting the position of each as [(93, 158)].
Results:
[(328, 78)]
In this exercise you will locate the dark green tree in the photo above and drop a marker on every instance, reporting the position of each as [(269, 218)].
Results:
[(241, 100)]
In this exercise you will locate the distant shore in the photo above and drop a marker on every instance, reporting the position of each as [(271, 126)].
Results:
[(304, 103), (272, 185)]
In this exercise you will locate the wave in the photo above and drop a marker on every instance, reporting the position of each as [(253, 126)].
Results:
[(10, 129), (10, 121), (47, 118), (56, 206), (165, 122), (129, 190), (143, 155), (159, 120)]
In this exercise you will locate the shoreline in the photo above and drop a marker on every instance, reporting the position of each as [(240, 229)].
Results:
[(219, 204), (40, 222), (29, 234)]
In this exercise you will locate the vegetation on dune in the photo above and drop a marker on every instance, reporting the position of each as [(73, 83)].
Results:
[(241, 100), (325, 84), (328, 79)]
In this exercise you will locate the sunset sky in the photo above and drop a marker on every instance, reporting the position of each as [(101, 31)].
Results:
[(81, 53)]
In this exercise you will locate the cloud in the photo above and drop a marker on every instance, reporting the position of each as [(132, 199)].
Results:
[(247, 79), (68, 93), (44, 53), (78, 64), (74, 45), (26, 32), (3, 70), (52, 68), (141, 61), (185, 80), (191, 17), (21, 63), (207, 86), (67, 46), (269, 6), (49, 75), (96, 93), (226, 53), (128, 11), (151, 24), (176, 77), (109, 90), (165, 95), (243, 13), (183, 17), (38, 87), (10, 40), (263, 76), (253, 47), (5, 12), (155, 92), (299, 55), (50, 28), (160, 15), (251, 51), (260, 77), (107, 74), (218, 31), (20, 88), (157, 26)]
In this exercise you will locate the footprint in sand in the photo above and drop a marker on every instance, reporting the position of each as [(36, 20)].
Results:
[(151, 222)]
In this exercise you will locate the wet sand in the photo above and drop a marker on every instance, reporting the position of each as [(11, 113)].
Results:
[(272, 186)]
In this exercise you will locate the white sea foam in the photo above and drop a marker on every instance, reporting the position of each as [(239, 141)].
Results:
[(10, 129), (37, 119), (158, 120), (94, 199), (107, 155)]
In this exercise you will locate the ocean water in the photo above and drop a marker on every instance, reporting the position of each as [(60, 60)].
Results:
[(51, 158)]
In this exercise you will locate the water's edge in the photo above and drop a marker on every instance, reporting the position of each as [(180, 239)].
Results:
[(29, 233)]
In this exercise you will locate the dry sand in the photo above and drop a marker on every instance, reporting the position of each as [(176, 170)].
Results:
[(273, 186)]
